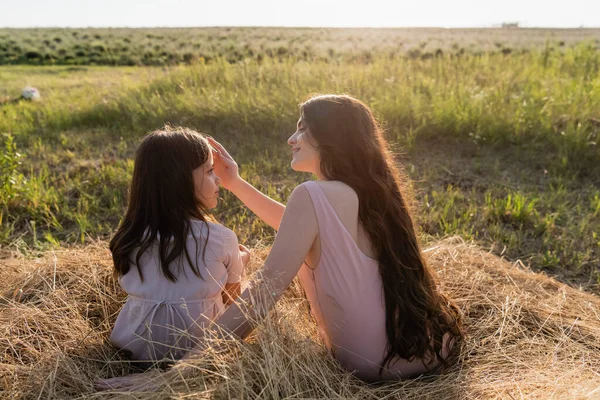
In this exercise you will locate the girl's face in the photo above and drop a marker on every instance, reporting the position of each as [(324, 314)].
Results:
[(305, 158), (206, 183)]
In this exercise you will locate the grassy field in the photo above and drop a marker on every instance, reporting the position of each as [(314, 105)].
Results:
[(171, 46), (502, 147)]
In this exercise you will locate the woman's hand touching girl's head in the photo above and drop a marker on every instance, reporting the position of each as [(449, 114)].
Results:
[(225, 166)]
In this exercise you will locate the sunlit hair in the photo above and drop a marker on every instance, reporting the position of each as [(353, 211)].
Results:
[(162, 201), (353, 150)]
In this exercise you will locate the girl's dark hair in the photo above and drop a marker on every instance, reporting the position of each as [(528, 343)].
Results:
[(161, 201), (353, 150)]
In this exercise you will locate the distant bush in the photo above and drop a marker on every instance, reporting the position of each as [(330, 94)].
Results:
[(282, 51), (413, 53), (98, 46), (32, 54), (188, 58)]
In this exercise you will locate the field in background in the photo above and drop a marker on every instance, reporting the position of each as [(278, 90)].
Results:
[(503, 148), (171, 46)]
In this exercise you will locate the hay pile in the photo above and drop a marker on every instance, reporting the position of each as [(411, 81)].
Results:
[(528, 337)]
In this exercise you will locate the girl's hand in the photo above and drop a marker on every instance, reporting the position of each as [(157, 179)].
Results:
[(246, 254), (225, 166)]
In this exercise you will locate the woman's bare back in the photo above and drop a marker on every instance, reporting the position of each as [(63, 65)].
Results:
[(344, 201)]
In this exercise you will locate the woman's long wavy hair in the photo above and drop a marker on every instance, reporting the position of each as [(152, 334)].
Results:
[(162, 201), (353, 150)]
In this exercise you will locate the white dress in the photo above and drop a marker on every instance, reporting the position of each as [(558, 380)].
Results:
[(161, 318)]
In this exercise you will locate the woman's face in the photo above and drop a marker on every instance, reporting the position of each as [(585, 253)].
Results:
[(206, 184), (305, 158)]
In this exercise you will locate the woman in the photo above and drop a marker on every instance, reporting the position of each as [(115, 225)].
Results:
[(350, 238)]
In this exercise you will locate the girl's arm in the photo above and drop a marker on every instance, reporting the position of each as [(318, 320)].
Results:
[(233, 288), (267, 209), (231, 292)]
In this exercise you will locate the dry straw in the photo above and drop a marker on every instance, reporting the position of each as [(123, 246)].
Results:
[(528, 337)]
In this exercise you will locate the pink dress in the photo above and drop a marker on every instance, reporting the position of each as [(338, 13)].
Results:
[(161, 318), (346, 298)]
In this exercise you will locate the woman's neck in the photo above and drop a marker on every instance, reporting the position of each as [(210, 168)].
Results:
[(319, 175)]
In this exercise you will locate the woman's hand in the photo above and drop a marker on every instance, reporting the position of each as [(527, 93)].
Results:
[(225, 166), (267, 209)]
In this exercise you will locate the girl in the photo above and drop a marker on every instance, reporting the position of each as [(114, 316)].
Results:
[(177, 265), (350, 238)]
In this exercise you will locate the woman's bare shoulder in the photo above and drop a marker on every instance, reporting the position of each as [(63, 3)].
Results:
[(339, 191)]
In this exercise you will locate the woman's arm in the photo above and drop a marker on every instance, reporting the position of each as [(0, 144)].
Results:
[(267, 209), (297, 233)]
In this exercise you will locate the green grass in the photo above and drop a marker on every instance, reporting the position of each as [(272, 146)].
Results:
[(171, 46), (502, 148)]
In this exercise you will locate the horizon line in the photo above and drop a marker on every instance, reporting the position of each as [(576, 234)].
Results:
[(495, 26)]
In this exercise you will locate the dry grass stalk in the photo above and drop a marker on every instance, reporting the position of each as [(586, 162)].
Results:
[(529, 336)]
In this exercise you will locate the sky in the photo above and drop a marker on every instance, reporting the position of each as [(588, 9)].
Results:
[(299, 13)]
